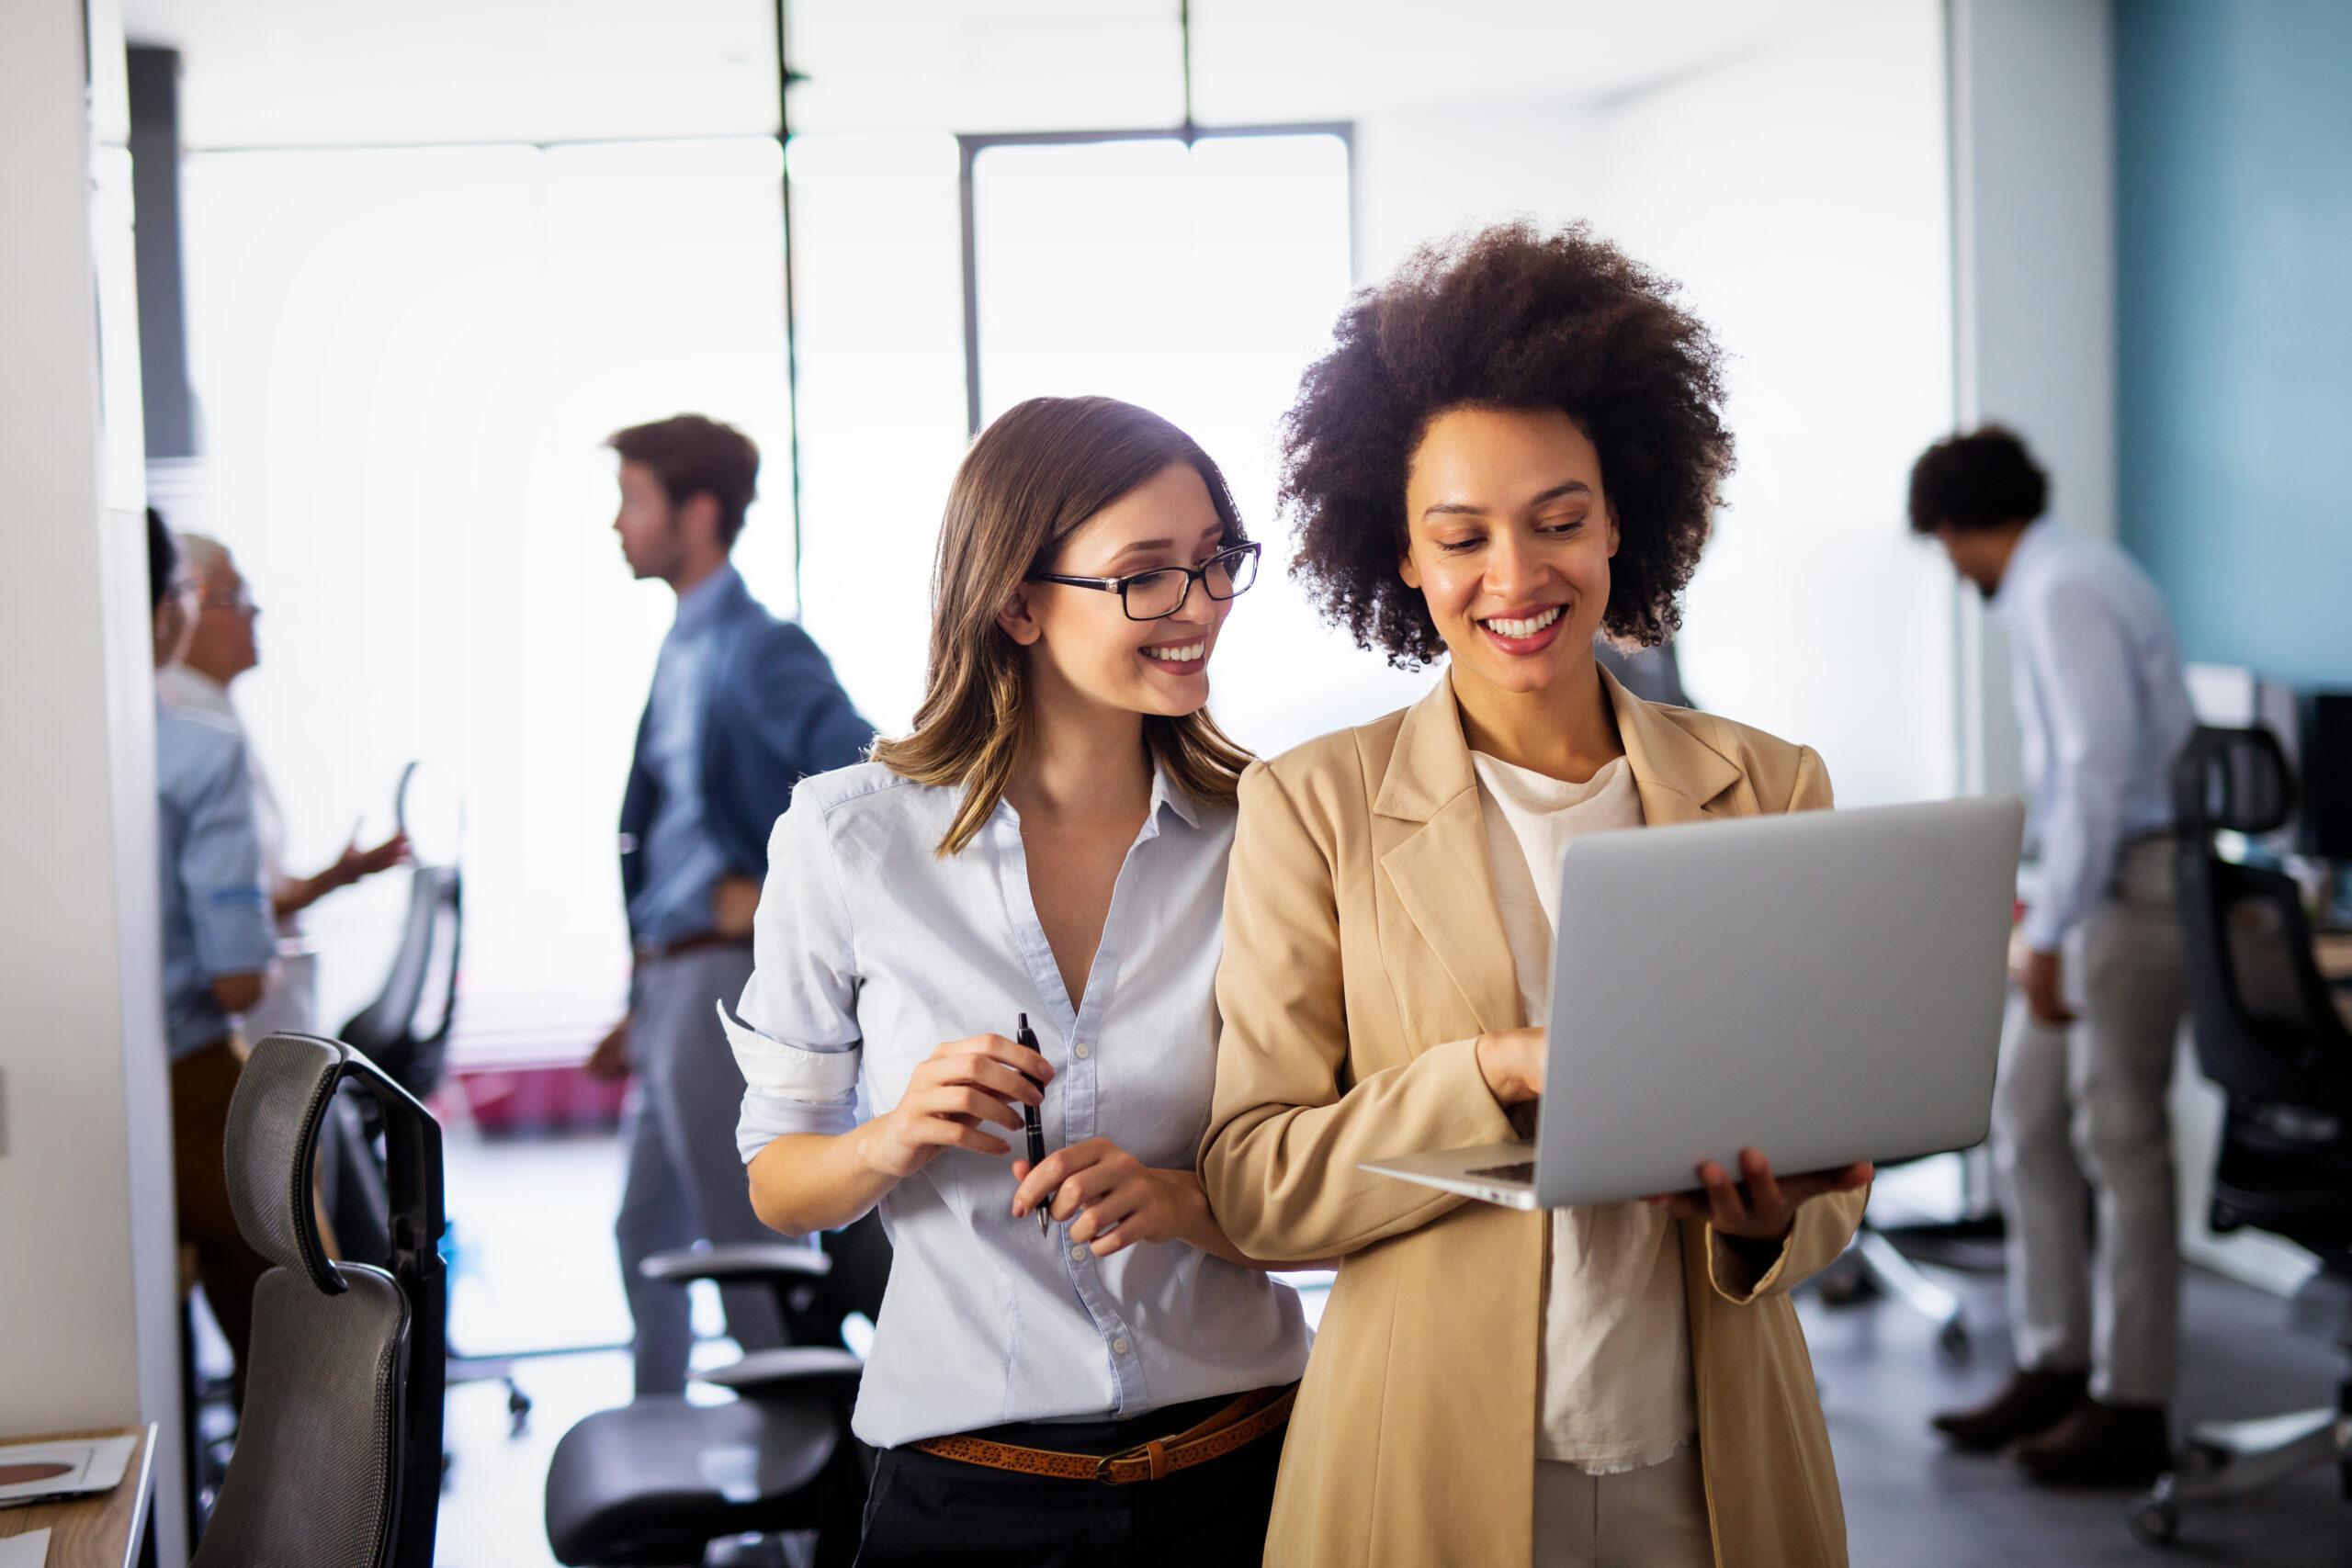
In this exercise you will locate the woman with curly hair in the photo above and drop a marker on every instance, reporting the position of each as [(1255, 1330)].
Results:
[(1514, 444)]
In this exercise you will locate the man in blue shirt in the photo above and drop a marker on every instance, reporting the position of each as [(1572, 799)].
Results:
[(744, 706), (216, 942), (2079, 1107)]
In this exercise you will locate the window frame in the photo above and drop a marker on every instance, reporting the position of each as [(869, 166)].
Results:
[(970, 146)]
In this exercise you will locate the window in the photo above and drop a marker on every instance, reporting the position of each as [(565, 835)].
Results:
[(405, 361), (1198, 282)]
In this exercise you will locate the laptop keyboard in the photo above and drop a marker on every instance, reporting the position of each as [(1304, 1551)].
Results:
[(1522, 1171)]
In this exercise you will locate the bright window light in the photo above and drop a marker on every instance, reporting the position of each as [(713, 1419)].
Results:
[(1198, 283)]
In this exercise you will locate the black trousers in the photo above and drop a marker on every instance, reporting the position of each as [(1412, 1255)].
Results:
[(925, 1511)]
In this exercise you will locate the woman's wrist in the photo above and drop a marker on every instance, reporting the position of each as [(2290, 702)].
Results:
[(1195, 1223), (1508, 1087), (865, 1148)]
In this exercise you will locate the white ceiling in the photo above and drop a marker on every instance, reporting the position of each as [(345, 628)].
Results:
[(299, 73)]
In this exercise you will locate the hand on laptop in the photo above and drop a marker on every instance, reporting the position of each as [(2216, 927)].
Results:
[(1512, 1064), (1760, 1207)]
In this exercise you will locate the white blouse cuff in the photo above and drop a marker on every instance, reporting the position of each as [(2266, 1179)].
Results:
[(794, 1072)]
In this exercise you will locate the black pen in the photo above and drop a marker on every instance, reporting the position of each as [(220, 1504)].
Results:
[(1034, 1130)]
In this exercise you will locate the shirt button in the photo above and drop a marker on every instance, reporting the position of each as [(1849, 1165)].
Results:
[(1077, 1254), (1082, 1052), (1118, 1346)]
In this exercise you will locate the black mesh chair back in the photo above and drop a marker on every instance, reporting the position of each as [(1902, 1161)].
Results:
[(405, 1031), (2267, 1027), (338, 1455), (2267, 1031)]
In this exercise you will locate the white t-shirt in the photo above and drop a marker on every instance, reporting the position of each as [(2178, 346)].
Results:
[(1616, 1386)]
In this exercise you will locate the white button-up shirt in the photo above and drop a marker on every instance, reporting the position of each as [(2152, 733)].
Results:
[(2104, 710), (871, 950)]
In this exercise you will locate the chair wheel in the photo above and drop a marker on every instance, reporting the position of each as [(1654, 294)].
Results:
[(1952, 1342), (2199, 1460), (518, 1411), (2154, 1522)]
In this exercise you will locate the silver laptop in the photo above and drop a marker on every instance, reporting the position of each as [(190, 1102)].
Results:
[(1826, 987)]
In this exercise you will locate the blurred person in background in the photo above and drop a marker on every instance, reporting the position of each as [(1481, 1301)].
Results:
[(744, 706), (2086, 1053), (221, 646), (217, 943)]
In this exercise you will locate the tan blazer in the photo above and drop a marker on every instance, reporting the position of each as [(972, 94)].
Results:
[(1364, 956)]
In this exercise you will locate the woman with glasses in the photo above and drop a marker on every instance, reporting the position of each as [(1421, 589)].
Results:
[(1513, 446), (1073, 1364)]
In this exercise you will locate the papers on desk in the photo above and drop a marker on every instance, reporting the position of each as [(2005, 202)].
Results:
[(25, 1550), (33, 1472)]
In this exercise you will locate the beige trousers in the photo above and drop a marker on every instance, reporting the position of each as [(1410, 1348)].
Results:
[(1651, 1517), (2079, 1123)]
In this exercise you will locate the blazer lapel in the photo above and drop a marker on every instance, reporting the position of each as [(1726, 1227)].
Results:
[(1438, 869), (1679, 777)]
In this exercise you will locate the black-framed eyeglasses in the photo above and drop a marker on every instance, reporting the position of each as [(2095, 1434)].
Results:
[(1158, 594)]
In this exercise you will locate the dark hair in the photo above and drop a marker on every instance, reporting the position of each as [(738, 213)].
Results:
[(1035, 474), (1509, 317), (694, 455), (162, 559), (1981, 479)]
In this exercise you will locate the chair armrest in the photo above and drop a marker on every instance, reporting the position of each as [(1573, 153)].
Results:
[(737, 1261), (809, 1372)]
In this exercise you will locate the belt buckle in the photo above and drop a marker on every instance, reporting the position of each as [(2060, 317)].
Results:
[(1103, 1466)]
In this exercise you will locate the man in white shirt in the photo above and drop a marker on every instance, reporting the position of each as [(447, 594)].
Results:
[(221, 647), (2078, 1112)]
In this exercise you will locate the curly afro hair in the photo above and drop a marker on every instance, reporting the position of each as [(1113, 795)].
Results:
[(1508, 317), (1982, 480)]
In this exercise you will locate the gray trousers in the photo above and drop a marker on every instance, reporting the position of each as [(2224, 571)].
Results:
[(2079, 1121), (1651, 1517), (686, 1182)]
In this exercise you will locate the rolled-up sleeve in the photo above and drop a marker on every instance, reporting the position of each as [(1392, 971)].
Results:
[(220, 872), (795, 1034)]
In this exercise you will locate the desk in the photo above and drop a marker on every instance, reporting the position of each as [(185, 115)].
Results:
[(100, 1531)]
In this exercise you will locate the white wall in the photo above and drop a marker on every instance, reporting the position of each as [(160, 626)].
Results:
[(1798, 194), (2033, 290), (88, 1331), (1422, 175)]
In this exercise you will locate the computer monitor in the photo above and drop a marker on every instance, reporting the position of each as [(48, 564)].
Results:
[(2327, 775)]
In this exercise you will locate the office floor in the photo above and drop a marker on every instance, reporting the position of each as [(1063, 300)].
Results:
[(535, 1219)]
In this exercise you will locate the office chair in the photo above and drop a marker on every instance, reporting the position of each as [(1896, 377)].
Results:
[(338, 1457), (658, 1480), (405, 1030), (408, 1021), (2268, 1034), (1872, 1263)]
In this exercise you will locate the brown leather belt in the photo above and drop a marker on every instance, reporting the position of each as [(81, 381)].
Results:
[(694, 944), (1236, 1426)]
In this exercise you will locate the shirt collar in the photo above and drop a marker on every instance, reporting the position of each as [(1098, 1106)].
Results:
[(701, 607), (2038, 536), (184, 687), (1166, 792)]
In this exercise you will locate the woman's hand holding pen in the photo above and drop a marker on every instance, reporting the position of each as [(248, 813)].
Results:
[(957, 1088), (1110, 1199)]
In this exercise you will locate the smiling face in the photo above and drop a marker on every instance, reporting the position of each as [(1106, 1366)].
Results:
[(1081, 639), (1509, 538)]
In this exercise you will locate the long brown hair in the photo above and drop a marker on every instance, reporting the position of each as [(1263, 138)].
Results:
[(1031, 480)]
